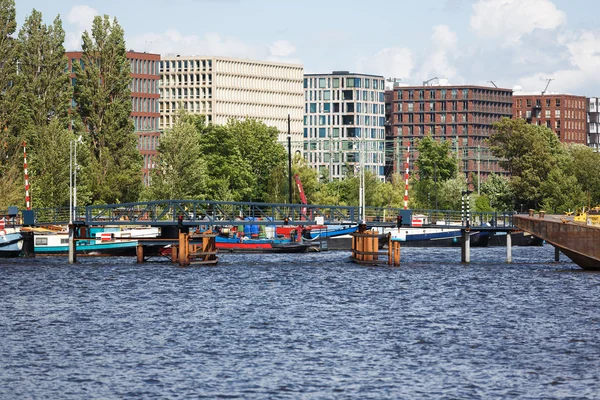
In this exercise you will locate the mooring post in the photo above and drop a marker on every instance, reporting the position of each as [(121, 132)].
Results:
[(139, 251), (556, 254), (466, 247), (183, 249), (508, 247), (72, 245)]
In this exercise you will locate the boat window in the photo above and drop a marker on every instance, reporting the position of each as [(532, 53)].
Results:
[(64, 241), (41, 241)]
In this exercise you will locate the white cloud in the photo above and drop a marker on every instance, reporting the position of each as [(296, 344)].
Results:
[(583, 54), (211, 44), (392, 62), (81, 17), (509, 20), (282, 48), (439, 61)]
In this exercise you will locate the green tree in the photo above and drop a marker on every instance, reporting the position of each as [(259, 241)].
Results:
[(50, 168), (44, 99), (497, 189), (180, 172), (435, 165), (529, 153), (585, 167), (103, 100), (11, 171), (257, 144), (561, 192)]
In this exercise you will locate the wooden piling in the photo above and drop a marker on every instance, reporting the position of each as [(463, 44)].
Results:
[(466, 246), (139, 252)]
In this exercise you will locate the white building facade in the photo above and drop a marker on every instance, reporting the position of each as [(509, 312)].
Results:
[(222, 88), (344, 123), (593, 123)]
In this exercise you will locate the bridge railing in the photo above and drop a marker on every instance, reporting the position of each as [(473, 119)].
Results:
[(214, 212)]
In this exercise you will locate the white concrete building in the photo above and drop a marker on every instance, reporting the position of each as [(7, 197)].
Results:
[(222, 88), (344, 122), (593, 123)]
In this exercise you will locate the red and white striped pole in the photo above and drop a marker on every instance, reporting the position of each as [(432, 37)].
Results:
[(27, 199), (406, 177)]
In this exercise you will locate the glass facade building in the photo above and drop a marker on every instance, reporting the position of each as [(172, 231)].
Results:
[(344, 123)]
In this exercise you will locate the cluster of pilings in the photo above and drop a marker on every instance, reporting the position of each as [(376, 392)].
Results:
[(365, 248), (194, 249)]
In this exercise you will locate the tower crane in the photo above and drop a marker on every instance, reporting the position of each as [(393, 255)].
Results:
[(547, 84)]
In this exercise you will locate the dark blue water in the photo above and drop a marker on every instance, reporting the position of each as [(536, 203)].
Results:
[(301, 326)]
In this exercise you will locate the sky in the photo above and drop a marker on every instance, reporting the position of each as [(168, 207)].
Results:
[(510, 42)]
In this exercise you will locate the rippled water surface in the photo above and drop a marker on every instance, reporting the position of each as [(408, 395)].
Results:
[(301, 326)]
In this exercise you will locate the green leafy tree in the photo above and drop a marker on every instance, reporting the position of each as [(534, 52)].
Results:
[(529, 153), (436, 164), (103, 101), (585, 167), (44, 99), (11, 171), (257, 144), (180, 172), (50, 168), (230, 176), (309, 177), (561, 192), (497, 189)]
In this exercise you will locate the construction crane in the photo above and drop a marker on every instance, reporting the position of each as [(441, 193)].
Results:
[(493, 83), (547, 84), (429, 80)]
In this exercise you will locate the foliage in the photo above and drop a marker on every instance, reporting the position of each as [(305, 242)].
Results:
[(103, 99), (50, 168), (561, 192), (529, 153), (497, 190), (585, 167), (436, 165), (180, 172), (45, 93), (482, 204)]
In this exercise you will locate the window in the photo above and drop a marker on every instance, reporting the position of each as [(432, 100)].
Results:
[(547, 102), (326, 107), (41, 241), (465, 93), (322, 132), (557, 113), (322, 83), (367, 83), (322, 120), (411, 107), (313, 107), (547, 114), (347, 94), (349, 107), (336, 82), (326, 95), (336, 132), (557, 102)]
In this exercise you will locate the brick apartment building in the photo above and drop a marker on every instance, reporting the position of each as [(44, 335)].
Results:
[(463, 114), (144, 100), (565, 114)]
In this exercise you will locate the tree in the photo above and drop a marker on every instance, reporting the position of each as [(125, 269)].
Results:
[(180, 172), (103, 101), (11, 173), (50, 168), (435, 165), (561, 192), (45, 93), (585, 167), (529, 153), (257, 144), (497, 189)]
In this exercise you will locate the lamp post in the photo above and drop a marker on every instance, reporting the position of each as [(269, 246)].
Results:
[(289, 139), (73, 167)]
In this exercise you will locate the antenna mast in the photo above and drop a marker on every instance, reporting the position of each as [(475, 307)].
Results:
[(547, 84)]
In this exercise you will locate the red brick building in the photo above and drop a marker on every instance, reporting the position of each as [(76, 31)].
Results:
[(565, 114), (462, 114), (144, 101)]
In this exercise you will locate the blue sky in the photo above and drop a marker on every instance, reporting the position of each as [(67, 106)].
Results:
[(512, 42)]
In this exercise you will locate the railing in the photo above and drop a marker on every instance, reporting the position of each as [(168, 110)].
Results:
[(204, 212)]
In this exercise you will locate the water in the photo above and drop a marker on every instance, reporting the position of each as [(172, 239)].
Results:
[(301, 326)]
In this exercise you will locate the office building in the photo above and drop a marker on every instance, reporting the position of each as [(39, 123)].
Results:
[(222, 88), (593, 123), (344, 123)]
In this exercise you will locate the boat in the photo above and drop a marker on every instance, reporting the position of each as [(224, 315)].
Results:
[(11, 243), (516, 239), (108, 241), (261, 245)]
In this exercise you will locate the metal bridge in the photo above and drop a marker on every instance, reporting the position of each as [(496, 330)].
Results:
[(218, 213)]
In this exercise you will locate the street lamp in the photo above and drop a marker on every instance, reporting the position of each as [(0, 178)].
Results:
[(73, 167), (289, 140)]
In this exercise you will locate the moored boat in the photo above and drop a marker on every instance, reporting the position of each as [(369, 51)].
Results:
[(11, 243)]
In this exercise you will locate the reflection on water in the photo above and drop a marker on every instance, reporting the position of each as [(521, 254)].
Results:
[(301, 326)]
